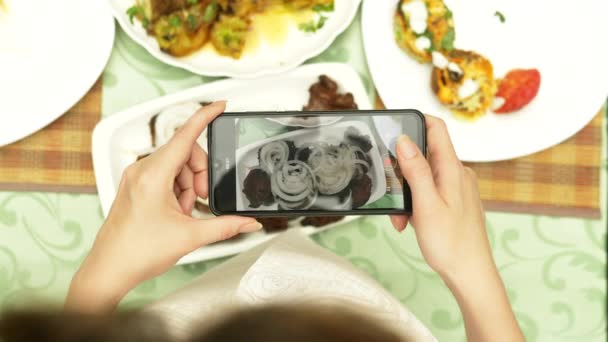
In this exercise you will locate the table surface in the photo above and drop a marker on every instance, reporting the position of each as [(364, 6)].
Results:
[(553, 268)]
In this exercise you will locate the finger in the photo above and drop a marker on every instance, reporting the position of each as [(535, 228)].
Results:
[(186, 201), (417, 172), (399, 222), (221, 228), (447, 168), (179, 149), (176, 190), (185, 179), (199, 165)]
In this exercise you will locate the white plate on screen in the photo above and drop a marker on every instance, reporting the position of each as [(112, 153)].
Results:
[(566, 45), (118, 139), (334, 135), (265, 59), (51, 53), (307, 122)]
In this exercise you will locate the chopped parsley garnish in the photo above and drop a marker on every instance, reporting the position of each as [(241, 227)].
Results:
[(192, 2), (447, 43), (323, 8), (448, 14), (500, 16), (175, 21), (313, 26), (192, 21), (210, 12), (138, 12), (135, 11)]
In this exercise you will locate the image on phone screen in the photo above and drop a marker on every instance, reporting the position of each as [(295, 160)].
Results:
[(341, 163)]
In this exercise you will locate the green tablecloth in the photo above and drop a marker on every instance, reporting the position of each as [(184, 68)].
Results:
[(554, 268)]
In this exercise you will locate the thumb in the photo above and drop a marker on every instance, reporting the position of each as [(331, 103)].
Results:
[(221, 228), (417, 172)]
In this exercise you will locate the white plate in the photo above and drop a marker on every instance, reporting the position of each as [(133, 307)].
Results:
[(264, 60), (307, 122), (564, 40), (51, 53), (248, 156), (118, 138)]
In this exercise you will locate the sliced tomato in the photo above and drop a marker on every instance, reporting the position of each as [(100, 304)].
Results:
[(517, 89)]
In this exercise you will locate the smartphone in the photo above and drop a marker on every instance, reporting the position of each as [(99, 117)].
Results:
[(310, 163)]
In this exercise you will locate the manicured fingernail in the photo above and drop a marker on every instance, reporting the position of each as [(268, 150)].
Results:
[(407, 149), (251, 227)]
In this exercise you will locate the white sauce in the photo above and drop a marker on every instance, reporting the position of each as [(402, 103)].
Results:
[(417, 15), (468, 88), (453, 67), (423, 43), (498, 102), (439, 60)]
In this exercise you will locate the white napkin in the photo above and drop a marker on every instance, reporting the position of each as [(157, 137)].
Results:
[(289, 269)]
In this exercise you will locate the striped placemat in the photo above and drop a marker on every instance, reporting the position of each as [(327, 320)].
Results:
[(562, 181), (58, 157)]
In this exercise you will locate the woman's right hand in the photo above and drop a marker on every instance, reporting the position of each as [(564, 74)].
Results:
[(448, 217), (449, 223)]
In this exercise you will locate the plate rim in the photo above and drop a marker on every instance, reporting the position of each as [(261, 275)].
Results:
[(174, 61), (77, 95)]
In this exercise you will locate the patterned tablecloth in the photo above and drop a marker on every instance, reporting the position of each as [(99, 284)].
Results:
[(554, 268)]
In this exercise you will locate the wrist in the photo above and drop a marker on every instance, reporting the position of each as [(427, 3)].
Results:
[(94, 290)]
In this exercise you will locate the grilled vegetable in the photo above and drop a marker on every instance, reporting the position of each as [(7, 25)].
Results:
[(517, 89), (184, 31), (228, 35), (154, 9), (424, 26), (464, 82)]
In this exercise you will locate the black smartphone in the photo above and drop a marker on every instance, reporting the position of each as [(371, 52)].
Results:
[(310, 163)]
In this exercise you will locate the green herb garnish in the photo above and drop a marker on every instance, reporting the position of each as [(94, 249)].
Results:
[(210, 12), (192, 2), (448, 14), (175, 21), (500, 16), (323, 8), (135, 11), (447, 43), (192, 21), (313, 26)]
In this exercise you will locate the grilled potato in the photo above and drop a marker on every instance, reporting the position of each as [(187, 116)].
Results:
[(184, 31), (154, 9), (467, 85), (423, 26), (229, 34)]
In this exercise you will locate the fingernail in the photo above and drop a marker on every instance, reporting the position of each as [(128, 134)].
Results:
[(251, 227), (407, 149)]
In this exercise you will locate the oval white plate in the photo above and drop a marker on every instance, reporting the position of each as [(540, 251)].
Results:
[(565, 41), (51, 53), (305, 122), (118, 138), (266, 59)]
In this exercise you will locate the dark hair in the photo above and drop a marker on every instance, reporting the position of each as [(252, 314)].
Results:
[(297, 324), (257, 324), (27, 326)]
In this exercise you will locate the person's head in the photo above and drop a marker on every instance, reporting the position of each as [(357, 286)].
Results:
[(259, 324)]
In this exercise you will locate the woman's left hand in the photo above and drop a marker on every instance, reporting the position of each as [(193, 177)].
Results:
[(149, 227)]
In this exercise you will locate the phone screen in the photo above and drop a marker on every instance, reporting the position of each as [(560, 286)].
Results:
[(330, 162)]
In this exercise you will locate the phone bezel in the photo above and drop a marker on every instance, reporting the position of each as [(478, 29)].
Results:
[(293, 213)]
